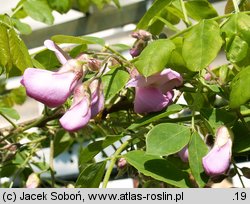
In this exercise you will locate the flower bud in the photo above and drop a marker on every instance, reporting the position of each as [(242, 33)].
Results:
[(33, 181), (122, 163), (217, 161), (94, 64), (183, 154), (137, 48), (142, 34)]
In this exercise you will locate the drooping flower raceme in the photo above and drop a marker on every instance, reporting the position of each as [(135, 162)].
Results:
[(84, 107), (217, 161), (53, 88), (155, 92)]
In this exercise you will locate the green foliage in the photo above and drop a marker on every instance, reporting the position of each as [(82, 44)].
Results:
[(157, 168), (149, 63), (154, 117), (239, 94), (201, 45), (196, 151), (91, 176), (78, 40), (199, 10), (9, 112), (62, 6), (167, 138), (89, 152), (215, 95), (39, 10), (155, 9), (114, 81), (14, 54)]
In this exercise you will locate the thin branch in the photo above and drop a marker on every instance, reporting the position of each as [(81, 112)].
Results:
[(10, 121), (112, 163)]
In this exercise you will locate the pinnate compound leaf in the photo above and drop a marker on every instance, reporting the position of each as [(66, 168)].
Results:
[(13, 52), (167, 138), (201, 45), (154, 57), (158, 168), (19, 52)]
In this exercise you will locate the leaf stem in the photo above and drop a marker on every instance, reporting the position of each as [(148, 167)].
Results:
[(184, 11), (236, 7), (26, 161), (241, 117), (16, 10), (112, 163), (215, 19), (51, 161), (115, 52), (238, 173), (10, 121)]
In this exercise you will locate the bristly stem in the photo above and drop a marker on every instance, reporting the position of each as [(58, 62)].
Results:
[(112, 163)]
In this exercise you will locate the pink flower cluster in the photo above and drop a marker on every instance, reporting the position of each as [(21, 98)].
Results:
[(54, 88)]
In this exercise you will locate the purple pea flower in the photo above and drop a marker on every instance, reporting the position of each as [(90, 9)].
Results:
[(155, 92), (97, 97), (217, 161), (84, 107), (79, 113), (53, 88)]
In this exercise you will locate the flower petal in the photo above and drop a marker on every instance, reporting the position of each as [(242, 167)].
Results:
[(217, 161), (50, 88), (151, 100), (77, 116), (165, 80), (62, 56), (97, 106), (183, 154), (97, 97)]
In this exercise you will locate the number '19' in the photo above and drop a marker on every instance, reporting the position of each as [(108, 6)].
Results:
[(240, 196)]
